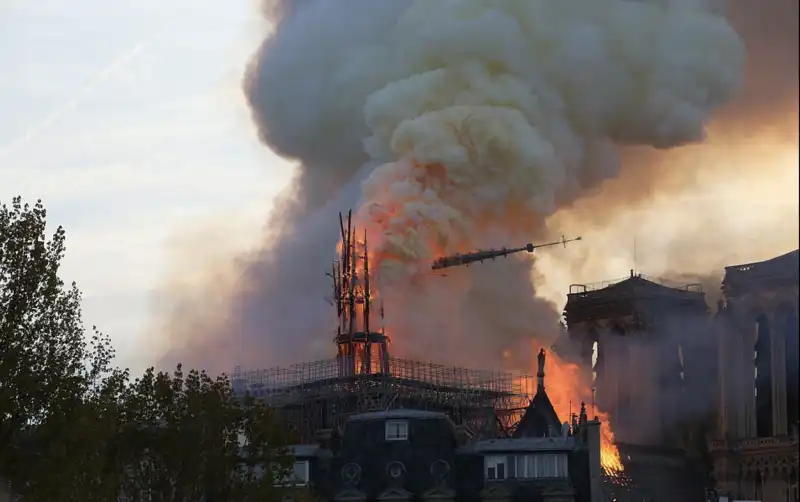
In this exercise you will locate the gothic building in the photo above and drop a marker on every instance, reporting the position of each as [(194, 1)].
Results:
[(417, 455), (646, 347), (700, 405), (698, 401), (756, 453)]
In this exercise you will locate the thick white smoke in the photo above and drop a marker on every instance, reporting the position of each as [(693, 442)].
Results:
[(449, 125), (504, 107), (492, 112)]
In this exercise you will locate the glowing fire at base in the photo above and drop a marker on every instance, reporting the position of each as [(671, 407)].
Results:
[(567, 389), (566, 386), (609, 454)]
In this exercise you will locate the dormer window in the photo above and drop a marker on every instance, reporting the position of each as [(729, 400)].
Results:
[(396, 430), (496, 468), (528, 466), (547, 465)]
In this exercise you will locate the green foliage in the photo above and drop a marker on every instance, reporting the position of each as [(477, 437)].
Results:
[(46, 366), (74, 429), (189, 437)]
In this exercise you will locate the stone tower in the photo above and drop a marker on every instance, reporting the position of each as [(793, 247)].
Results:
[(645, 346), (756, 451)]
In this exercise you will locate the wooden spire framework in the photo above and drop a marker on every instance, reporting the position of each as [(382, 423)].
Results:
[(360, 350)]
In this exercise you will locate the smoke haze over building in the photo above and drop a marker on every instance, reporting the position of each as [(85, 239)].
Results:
[(335, 81)]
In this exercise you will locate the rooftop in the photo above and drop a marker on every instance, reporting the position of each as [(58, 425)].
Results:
[(785, 265), (634, 284), (504, 445), (540, 418), (400, 414)]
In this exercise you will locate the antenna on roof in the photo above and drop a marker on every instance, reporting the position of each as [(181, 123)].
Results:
[(634, 256)]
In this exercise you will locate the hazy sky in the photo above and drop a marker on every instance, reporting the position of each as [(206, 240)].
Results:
[(127, 119)]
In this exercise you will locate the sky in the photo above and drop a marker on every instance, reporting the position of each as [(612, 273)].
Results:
[(127, 119)]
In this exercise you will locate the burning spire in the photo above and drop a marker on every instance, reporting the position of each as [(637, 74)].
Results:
[(360, 350)]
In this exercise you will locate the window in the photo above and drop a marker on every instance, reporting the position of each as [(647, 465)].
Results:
[(496, 467), (547, 465), (300, 475), (396, 430), (526, 466), (300, 472)]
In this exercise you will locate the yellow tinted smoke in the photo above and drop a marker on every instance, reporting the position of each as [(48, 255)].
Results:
[(505, 107)]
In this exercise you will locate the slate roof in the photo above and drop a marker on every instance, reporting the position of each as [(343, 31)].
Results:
[(399, 414), (539, 418), (509, 445)]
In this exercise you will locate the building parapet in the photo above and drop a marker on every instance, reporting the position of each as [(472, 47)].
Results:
[(752, 443), (577, 289)]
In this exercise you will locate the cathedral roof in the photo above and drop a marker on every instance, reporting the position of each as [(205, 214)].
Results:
[(639, 284), (636, 285), (781, 270), (785, 265), (540, 418), (509, 445)]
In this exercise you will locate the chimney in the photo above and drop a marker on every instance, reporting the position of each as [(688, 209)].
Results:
[(540, 374), (592, 429)]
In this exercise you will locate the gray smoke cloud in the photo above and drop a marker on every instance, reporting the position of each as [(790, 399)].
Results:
[(307, 88)]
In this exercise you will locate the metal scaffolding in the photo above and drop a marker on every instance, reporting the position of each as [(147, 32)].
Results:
[(315, 396)]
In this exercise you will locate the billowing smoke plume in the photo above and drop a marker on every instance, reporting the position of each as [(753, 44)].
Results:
[(695, 210), (491, 113), (452, 125)]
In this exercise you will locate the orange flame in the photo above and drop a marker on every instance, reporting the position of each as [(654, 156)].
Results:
[(566, 386), (567, 389)]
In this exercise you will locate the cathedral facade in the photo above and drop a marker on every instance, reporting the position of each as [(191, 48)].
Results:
[(708, 402), (646, 348), (755, 453)]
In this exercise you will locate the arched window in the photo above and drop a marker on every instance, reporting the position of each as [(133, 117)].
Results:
[(597, 360), (589, 352), (786, 330), (762, 358)]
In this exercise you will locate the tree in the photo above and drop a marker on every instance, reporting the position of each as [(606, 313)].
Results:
[(46, 364), (74, 429), (189, 438), (72, 457)]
